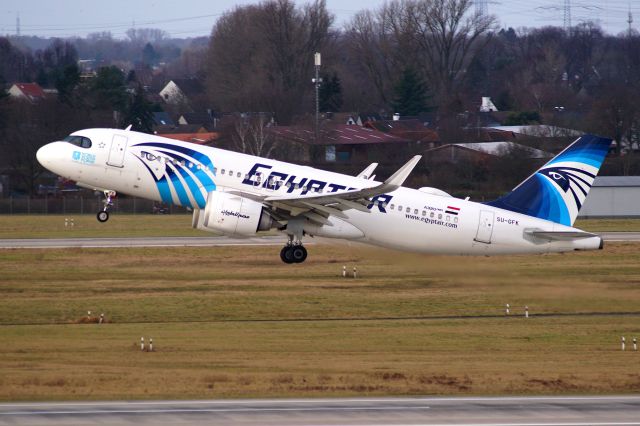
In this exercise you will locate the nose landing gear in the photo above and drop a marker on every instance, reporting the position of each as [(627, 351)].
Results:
[(103, 215)]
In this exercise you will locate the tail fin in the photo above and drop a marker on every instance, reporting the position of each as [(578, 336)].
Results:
[(558, 189)]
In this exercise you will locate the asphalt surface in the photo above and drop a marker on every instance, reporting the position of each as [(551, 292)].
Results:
[(619, 236), (515, 411), (196, 241), (141, 242)]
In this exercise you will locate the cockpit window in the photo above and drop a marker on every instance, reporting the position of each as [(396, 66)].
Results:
[(80, 141)]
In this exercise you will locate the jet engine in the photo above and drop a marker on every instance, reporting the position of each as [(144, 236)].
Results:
[(232, 215)]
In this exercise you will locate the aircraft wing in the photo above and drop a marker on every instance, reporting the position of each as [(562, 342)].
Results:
[(319, 206)]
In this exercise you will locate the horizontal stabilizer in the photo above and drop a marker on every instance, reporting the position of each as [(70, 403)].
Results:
[(559, 235)]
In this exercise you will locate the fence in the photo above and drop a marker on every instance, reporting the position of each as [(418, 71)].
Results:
[(81, 205)]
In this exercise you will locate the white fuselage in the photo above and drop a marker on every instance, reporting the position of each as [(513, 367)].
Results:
[(404, 219)]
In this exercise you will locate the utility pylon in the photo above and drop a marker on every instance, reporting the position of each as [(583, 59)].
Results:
[(482, 7), (567, 15)]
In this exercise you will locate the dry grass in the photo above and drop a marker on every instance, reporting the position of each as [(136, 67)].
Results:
[(235, 322), (119, 225)]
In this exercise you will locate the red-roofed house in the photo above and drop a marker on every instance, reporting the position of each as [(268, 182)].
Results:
[(343, 143), (202, 138), (29, 91)]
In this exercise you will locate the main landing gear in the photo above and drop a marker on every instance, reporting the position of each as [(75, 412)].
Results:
[(103, 215), (293, 252)]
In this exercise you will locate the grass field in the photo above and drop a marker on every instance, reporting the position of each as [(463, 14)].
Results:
[(236, 322), (122, 225)]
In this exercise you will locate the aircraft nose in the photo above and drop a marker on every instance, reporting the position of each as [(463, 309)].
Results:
[(45, 154)]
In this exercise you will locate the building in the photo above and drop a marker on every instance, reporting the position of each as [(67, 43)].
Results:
[(344, 143), (407, 129), (31, 92), (454, 153), (613, 196), (206, 118), (181, 91)]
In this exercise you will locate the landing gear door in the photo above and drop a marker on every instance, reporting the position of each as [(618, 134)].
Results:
[(485, 227), (117, 151)]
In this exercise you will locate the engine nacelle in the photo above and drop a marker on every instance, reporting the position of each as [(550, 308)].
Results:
[(232, 215)]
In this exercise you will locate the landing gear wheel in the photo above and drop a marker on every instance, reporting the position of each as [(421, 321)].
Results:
[(285, 254), (299, 254), (103, 216)]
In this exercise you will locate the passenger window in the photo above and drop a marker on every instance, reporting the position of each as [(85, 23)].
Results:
[(431, 215), (455, 220), (399, 208), (448, 218), (222, 171), (415, 211), (424, 212), (239, 174), (231, 173), (408, 209), (288, 184), (440, 216), (215, 170), (392, 206)]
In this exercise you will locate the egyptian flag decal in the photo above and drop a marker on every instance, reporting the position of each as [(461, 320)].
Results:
[(453, 210)]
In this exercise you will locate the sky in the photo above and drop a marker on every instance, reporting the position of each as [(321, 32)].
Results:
[(191, 18)]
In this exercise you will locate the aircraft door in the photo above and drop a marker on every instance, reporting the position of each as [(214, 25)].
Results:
[(117, 151), (485, 227)]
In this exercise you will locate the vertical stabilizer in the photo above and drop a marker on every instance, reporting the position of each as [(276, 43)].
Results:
[(558, 189)]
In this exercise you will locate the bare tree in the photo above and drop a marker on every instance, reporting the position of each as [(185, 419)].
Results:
[(261, 57), (249, 134), (449, 36), (438, 37)]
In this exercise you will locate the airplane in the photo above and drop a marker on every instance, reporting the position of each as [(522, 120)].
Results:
[(240, 195)]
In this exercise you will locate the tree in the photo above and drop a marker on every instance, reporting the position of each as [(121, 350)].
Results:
[(108, 89), (138, 112), (438, 37), (260, 57), (248, 134), (66, 81), (410, 94), (330, 93), (149, 55)]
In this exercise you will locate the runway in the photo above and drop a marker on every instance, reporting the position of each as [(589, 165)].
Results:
[(141, 242), (619, 236), (498, 411), (277, 240)]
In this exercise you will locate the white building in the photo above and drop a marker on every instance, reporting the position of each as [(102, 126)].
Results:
[(613, 196)]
